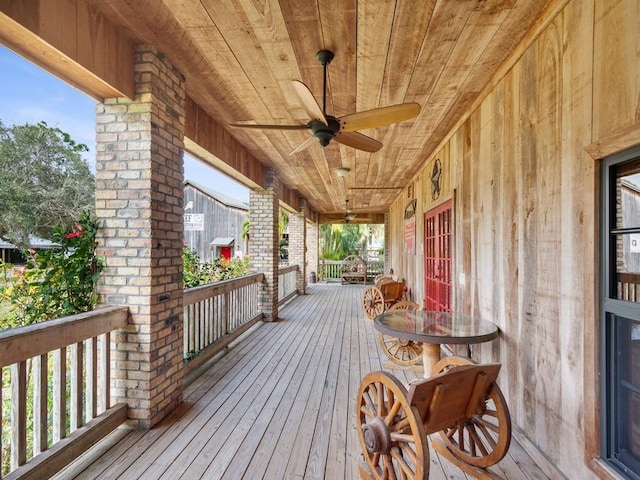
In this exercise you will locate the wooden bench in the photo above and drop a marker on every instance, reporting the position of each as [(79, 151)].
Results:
[(353, 269), (461, 402)]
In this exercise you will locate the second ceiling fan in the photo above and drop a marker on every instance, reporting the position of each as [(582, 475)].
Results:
[(325, 128)]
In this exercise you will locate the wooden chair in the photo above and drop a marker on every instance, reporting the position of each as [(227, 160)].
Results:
[(462, 402)]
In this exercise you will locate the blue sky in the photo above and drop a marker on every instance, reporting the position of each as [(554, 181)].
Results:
[(28, 94)]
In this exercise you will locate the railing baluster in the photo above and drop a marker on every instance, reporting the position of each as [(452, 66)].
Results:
[(92, 378), (75, 406), (106, 372), (18, 414), (226, 315), (40, 396), (59, 394)]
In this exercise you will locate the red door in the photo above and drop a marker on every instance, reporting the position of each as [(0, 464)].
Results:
[(225, 252), (437, 258)]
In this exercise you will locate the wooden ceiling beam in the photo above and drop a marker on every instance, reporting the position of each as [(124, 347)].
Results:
[(72, 41)]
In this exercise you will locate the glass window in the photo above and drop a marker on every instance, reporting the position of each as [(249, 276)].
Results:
[(620, 332)]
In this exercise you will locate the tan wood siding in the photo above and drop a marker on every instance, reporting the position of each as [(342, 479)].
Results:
[(525, 210)]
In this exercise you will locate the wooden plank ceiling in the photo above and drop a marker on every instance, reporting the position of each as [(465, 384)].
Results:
[(240, 56)]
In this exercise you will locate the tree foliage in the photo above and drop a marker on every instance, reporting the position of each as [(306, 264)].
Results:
[(339, 241), (59, 281), (44, 181)]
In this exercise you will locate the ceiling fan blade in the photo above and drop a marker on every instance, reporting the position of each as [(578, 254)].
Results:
[(304, 145), (379, 117), (269, 127), (358, 140), (308, 101)]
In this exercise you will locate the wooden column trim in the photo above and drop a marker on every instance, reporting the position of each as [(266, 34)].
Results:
[(622, 140)]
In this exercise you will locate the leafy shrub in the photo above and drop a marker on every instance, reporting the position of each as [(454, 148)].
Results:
[(59, 281), (202, 273)]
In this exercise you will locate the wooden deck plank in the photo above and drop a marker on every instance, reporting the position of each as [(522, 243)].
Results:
[(279, 404), (291, 402), (213, 430), (263, 402)]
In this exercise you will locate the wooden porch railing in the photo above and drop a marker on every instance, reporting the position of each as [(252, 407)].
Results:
[(57, 376), (287, 283), (629, 287), (330, 269), (216, 314)]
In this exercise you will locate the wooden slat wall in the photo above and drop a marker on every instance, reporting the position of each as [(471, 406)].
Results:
[(524, 190)]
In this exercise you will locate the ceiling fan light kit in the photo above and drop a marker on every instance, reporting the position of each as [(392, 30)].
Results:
[(325, 128)]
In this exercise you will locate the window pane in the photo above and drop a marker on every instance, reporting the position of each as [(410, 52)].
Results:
[(628, 197), (627, 381), (627, 244)]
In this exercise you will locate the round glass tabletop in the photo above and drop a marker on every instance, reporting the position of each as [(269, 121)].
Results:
[(435, 327)]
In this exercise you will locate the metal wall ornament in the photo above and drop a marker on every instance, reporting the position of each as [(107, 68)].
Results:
[(436, 176)]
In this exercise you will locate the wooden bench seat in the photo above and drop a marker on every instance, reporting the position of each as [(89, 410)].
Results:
[(353, 269)]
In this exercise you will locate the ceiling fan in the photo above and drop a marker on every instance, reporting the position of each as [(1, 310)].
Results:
[(325, 127), (348, 216)]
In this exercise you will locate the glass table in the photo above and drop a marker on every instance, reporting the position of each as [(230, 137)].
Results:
[(433, 329)]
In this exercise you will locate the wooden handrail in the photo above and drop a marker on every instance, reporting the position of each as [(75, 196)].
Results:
[(21, 343)]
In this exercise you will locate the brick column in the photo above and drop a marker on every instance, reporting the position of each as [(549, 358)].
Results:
[(139, 175), (312, 248), (263, 242), (298, 246)]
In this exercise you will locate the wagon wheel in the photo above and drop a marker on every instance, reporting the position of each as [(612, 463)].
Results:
[(391, 433), (400, 350), (484, 439), (372, 302)]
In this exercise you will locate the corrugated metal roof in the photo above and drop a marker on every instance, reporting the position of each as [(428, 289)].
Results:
[(221, 197), (222, 242)]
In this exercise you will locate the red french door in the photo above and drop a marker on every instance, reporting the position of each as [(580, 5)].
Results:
[(437, 258)]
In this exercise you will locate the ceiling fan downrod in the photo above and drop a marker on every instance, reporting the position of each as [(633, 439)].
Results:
[(324, 57)]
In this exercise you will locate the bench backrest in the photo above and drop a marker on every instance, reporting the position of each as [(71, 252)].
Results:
[(452, 396), (353, 264)]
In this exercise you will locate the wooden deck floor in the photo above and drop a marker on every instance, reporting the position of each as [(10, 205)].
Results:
[(279, 405)]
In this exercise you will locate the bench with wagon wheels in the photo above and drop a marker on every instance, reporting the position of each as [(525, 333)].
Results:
[(461, 401), (353, 269), (383, 295)]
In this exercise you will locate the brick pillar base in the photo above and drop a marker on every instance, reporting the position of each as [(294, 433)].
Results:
[(264, 254), (139, 176)]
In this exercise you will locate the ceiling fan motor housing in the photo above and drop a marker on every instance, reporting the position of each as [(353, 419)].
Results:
[(324, 133)]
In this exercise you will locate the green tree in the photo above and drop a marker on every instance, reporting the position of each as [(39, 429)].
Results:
[(44, 181), (339, 241)]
